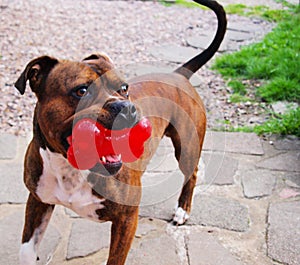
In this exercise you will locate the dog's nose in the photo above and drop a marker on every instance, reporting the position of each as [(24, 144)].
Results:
[(125, 114)]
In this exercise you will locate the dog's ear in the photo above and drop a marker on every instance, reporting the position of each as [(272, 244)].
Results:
[(99, 56), (100, 63), (36, 71)]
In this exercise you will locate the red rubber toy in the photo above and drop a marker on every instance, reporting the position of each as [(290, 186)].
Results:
[(91, 143)]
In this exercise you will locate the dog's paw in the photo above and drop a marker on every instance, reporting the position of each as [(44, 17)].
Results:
[(180, 216), (27, 254)]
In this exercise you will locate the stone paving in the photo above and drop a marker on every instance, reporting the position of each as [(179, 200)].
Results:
[(246, 208)]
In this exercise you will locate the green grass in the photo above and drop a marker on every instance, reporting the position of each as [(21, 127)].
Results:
[(274, 64), (285, 3), (183, 3), (287, 124), (276, 60), (238, 87), (238, 9), (236, 98), (258, 11)]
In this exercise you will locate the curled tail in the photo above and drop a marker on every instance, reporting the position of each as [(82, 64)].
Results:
[(190, 67)]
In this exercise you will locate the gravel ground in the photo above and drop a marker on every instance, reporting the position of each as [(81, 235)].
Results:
[(124, 29)]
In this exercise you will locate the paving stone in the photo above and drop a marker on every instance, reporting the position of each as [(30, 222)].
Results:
[(11, 232), (162, 179), (283, 238), (13, 189), (283, 162), (258, 183), (161, 191), (219, 169), (238, 36), (229, 46), (201, 171), (292, 180), (219, 212), (163, 163), (288, 193), (145, 227), (87, 237), (163, 211), (203, 41), (160, 198), (243, 26), (143, 68), (173, 53), (49, 244), (242, 143), (164, 158), (287, 143), (205, 249), (232, 41), (200, 41), (8, 146), (159, 250), (282, 107)]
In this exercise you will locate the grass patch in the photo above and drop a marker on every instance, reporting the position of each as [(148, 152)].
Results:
[(238, 9), (237, 98), (285, 3), (281, 88), (259, 11), (183, 3), (275, 63), (276, 60), (238, 87), (287, 124)]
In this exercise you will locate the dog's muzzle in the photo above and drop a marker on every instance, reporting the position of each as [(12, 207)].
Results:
[(97, 139), (124, 115)]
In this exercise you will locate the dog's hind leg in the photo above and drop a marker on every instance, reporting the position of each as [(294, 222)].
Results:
[(37, 218), (182, 211), (187, 152)]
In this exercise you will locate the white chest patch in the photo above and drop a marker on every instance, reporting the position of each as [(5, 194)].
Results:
[(63, 184)]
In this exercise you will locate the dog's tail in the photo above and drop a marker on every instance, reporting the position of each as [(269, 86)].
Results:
[(190, 67)]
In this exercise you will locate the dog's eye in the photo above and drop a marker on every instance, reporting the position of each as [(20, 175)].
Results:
[(124, 90), (80, 92)]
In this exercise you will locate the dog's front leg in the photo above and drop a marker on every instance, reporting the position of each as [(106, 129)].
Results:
[(122, 233), (36, 220)]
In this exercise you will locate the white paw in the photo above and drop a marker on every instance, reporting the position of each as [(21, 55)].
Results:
[(180, 216), (27, 253)]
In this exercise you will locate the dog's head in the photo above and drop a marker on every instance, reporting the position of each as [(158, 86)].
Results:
[(70, 91)]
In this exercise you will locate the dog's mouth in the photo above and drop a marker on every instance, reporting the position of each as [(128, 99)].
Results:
[(108, 165), (110, 162), (111, 159), (90, 146)]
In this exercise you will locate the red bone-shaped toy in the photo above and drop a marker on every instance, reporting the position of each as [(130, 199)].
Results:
[(91, 143)]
